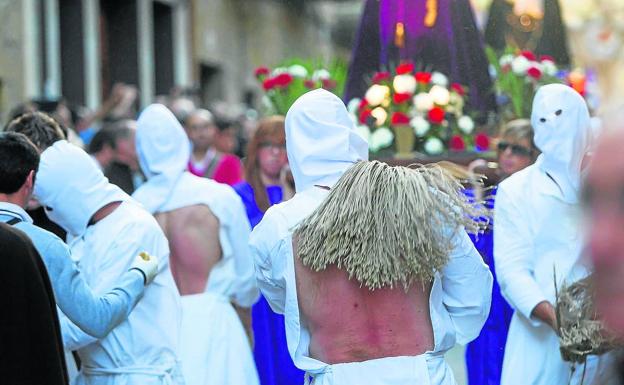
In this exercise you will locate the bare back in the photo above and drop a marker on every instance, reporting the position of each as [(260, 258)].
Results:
[(349, 323), (193, 234)]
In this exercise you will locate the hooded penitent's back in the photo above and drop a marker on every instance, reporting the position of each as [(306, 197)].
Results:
[(321, 140)]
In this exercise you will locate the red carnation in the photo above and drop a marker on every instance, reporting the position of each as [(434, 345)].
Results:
[(399, 118), (423, 77), (364, 116), (458, 88), (380, 77), (457, 143), (268, 84), (283, 80), (309, 83), (401, 98), (329, 84), (535, 73), (436, 115), (405, 68), (482, 142), (547, 58), (529, 55), (261, 72), (363, 104)]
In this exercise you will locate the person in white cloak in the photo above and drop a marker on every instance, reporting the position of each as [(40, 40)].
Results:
[(322, 144), (208, 234), (538, 239), (106, 229)]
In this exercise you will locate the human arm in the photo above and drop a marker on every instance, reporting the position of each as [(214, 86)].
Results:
[(513, 258), (95, 315), (467, 288)]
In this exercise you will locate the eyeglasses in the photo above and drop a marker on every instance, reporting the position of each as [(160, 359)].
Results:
[(516, 149), (271, 145)]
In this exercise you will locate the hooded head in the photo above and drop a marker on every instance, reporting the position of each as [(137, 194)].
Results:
[(321, 140), (72, 188), (163, 150), (563, 133)]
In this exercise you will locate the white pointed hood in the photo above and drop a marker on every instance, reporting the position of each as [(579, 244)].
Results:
[(72, 188), (321, 140), (163, 150), (563, 133)]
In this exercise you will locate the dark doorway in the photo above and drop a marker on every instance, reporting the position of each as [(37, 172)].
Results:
[(72, 50), (118, 42), (163, 47), (211, 83)]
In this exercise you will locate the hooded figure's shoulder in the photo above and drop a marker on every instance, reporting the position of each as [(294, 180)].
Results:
[(518, 183)]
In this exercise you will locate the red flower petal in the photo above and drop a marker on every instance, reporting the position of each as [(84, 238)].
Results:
[(535, 73), (401, 98), (457, 143), (364, 115), (261, 71), (329, 84), (405, 68), (399, 118), (529, 55), (283, 80), (423, 77), (547, 58), (436, 115), (363, 104), (482, 142), (458, 88), (380, 77), (309, 84), (268, 84)]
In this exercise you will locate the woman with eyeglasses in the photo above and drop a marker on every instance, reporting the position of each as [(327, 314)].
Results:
[(268, 182), (484, 355)]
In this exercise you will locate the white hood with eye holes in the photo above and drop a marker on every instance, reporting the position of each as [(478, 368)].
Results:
[(71, 187), (321, 140), (563, 133)]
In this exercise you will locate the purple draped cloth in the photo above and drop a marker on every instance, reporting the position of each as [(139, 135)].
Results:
[(452, 46)]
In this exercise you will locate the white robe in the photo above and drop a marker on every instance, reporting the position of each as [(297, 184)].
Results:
[(536, 234), (459, 303), (214, 347), (142, 349)]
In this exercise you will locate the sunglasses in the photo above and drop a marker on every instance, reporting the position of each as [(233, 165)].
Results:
[(516, 149)]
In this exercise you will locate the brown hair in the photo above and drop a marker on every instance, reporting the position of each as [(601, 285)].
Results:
[(39, 127), (271, 128)]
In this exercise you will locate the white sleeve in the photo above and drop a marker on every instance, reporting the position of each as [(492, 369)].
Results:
[(512, 257), (246, 291), (467, 289), (265, 246)]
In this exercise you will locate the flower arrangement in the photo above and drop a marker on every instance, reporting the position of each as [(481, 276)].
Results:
[(517, 75), (416, 110), (288, 81)]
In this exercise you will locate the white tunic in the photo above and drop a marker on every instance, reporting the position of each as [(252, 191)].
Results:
[(142, 349), (536, 235), (459, 302)]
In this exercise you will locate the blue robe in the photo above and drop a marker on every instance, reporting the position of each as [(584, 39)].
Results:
[(484, 355), (275, 367)]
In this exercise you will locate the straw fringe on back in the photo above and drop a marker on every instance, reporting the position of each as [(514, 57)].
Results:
[(387, 226)]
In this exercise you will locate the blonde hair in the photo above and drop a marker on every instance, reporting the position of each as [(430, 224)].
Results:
[(388, 225)]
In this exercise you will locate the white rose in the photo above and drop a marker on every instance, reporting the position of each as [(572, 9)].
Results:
[(353, 105), (404, 84), (520, 65), (434, 146), (298, 71), (376, 94), (440, 95), (465, 124), (549, 68), (438, 78), (363, 131), (380, 115), (423, 102), (381, 138), (321, 74), (506, 60), (421, 126), (279, 70)]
